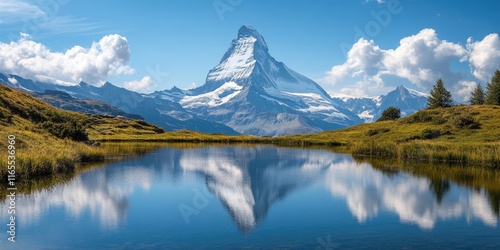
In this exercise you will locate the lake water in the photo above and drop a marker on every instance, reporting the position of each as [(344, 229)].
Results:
[(259, 197)]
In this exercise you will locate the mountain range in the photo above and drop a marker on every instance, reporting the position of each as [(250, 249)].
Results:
[(370, 109), (248, 92)]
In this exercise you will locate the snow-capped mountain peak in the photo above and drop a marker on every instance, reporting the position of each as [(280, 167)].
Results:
[(411, 92), (239, 61), (253, 93), (249, 31)]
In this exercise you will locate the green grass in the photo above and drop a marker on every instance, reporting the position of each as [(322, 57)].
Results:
[(462, 134)]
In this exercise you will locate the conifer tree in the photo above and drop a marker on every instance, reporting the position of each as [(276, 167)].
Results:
[(391, 113), (440, 97), (477, 96), (493, 90)]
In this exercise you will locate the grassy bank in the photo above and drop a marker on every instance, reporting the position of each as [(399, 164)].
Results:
[(460, 134)]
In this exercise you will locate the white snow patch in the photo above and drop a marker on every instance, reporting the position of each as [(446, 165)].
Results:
[(377, 100), (215, 98), (366, 116), (239, 64), (341, 96), (12, 80), (417, 93)]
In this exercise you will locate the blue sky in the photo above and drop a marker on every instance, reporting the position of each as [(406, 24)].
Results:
[(178, 42)]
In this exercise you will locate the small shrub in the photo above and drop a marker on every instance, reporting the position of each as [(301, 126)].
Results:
[(411, 138), (429, 134), (143, 123), (137, 126), (439, 120), (68, 130), (466, 122), (421, 116), (372, 132)]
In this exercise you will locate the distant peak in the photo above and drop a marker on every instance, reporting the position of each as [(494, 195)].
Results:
[(83, 84), (402, 90)]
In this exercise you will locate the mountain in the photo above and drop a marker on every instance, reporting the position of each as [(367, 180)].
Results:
[(164, 113), (370, 109), (253, 93), (63, 100)]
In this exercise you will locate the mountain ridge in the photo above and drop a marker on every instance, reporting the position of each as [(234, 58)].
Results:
[(370, 109)]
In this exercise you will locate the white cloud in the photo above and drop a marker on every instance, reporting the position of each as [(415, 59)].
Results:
[(419, 60), (41, 18), (423, 58), (484, 56), (15, 10), (143, 85), (93, 65), (464, 89)]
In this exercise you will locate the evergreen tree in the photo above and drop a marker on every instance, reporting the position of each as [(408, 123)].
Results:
[(477, 96), (440, 97), (493, 90), (391, 113)]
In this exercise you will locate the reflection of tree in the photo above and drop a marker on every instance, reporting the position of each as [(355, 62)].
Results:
[(494, 199), (442, 175), (388, 168), (439, 187)]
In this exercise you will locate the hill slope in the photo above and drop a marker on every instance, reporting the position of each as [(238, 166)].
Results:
[(49, 140), (456, 134)]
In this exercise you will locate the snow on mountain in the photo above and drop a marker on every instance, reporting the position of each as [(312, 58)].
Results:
[(214, 98), (370, 109), (253, 93)]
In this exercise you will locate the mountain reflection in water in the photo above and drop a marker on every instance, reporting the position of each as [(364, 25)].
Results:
[(248, 181)]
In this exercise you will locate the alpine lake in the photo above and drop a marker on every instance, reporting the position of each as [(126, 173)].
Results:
[(196, 196)]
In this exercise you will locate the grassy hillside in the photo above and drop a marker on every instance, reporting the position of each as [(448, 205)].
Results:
[(49, 140), (466, 134)]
